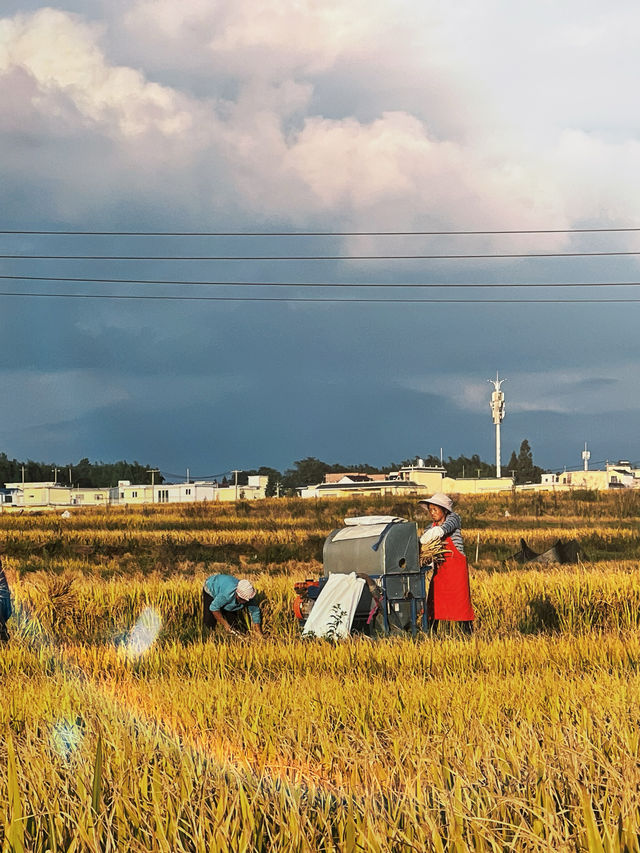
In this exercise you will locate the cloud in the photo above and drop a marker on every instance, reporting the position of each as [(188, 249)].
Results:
[(558, 391), (275, 39), (57, 396), (261, 151)]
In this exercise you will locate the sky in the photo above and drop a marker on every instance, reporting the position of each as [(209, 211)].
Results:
[(279, 118)]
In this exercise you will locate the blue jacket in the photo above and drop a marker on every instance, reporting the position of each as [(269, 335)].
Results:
[(222, 589), (5, 597)]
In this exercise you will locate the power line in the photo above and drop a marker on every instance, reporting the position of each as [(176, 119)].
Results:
[(195, 477), (461, 232), (318, 299), (69, 279), (496, 256)]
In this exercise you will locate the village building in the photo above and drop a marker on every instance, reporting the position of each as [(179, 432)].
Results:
[(616, 475), (413, 480), (434, 479), (7, 497), (52, 494), (347, 488)]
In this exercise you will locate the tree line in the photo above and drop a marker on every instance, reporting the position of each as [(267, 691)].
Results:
[(84, 474)]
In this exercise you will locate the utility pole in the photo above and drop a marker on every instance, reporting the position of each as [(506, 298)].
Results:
[(153, 472), (497, 413), (55, 473), (586, 456), (188, 480), (236, 472)]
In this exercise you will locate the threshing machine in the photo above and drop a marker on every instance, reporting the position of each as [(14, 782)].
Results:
[(385, 552)]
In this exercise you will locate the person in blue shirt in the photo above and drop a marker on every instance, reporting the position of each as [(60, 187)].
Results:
[(5, 605), (225, 600)]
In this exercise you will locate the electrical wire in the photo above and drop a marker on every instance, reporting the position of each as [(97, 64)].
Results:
[(319, 299), (496, 256), (194, 476), (462, 232), (312, 283)]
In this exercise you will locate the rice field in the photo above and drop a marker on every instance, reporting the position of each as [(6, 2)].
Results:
[(122, 728)]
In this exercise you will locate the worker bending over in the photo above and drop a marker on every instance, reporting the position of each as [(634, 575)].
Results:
[(225, 600)]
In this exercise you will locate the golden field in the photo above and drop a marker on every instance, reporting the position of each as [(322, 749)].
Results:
[(525, 737)]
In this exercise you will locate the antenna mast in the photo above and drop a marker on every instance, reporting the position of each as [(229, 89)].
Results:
[(497, 413)]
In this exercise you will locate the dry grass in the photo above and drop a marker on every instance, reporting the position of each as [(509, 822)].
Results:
[(525, 737)]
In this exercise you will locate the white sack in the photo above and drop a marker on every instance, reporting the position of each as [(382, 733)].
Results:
[(340, 596)]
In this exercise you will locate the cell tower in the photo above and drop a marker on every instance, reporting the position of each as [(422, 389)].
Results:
[(497, 412), (586, 456)]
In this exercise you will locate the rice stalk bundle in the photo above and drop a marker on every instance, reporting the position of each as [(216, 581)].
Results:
[(432, 552)]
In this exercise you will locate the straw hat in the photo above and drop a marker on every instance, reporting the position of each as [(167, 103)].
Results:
[(443, 501)]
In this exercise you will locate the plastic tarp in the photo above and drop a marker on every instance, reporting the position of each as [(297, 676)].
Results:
[(361, 531), (371, 519), (561, 552), (332, 614)]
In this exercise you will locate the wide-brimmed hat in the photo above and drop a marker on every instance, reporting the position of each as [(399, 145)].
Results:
[(245, 590), (443, 501)]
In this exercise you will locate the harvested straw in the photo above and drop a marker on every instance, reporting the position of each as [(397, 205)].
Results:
[(432, 552)]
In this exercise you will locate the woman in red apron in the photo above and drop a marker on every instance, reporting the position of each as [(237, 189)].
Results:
[(449, 595)]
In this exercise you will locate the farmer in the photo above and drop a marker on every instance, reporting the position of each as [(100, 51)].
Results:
[(225, 600), (5, 605), (449, 596)]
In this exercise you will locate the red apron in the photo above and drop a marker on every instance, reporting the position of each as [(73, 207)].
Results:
[(449, 594)]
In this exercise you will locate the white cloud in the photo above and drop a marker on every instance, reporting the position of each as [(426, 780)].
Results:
[(69, 72), (561, 391), (272, 39), (452, 156)]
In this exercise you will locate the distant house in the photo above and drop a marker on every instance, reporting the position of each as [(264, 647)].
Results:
[(255, 489), (353, 477), (434, 479), (192, 492), (414, 480), (364, 486), (7, 496), (125, 493), (182, 493), (616, 475), (49, 494)]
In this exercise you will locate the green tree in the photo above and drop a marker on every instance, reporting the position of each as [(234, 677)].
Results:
[(469, 466), (306, 472), (525, 462), (274, 477), (523, 465)]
